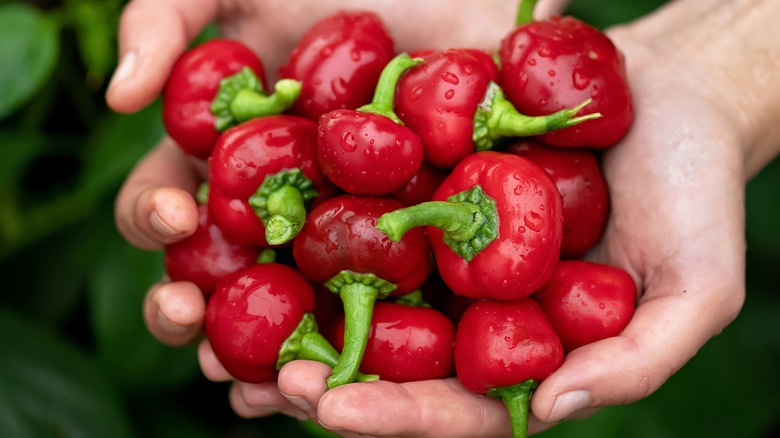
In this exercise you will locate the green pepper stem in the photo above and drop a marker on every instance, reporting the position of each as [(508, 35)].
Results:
[(517, 399), (525, 12), (280, 203), (413, 299), (460, 220), (384, 94), (358, 300), (497, 119), (241, 97), (307, 343), (287, 214)]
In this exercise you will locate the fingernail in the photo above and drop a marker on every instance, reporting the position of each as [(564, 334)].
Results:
[(125, 68), (568, 403), (161, 226)]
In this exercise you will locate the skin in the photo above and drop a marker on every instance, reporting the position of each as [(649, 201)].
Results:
[(677, 222)]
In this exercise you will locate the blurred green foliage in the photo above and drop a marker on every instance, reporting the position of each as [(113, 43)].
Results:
[(75, 358)]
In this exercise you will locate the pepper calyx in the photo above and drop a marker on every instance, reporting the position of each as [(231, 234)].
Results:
[(487, 230), (280, 202), (336, 283)]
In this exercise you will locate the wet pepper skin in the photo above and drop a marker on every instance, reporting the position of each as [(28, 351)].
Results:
[(338, 62), (439, 99), (550, 65), (205, 256), (406, 343), (586, 203), (530, 224), (251, 314), (244, 156), (587, 301), (192, 86)]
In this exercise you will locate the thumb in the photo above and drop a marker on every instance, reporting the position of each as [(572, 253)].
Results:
[(152, 35)]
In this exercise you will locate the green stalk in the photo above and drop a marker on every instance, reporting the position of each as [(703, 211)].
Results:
[(241, 98), (517, 399), (280, 203), (525, 12), (384, 94), (497, 119)]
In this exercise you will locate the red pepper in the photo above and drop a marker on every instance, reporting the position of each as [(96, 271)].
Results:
[(586, 203), (338, 61), (495, 226), (259, 318), (212, 87), (205, 256), (368, 151), (406, 343), (587, 301), (452, 102), (421, 186), (340, 246), (504, 349), (262, 175), (554, 64)]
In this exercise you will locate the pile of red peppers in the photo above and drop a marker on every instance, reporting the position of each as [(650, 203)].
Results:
[(405, 216)]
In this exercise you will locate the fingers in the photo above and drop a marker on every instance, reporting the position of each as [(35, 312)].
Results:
[(173, 312), (155, 205), (547, 8), (210, 365), (250, 400), (427, 408), (665, 332), (152, 35)]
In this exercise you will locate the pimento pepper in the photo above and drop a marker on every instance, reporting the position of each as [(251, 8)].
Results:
[(212, 87), (577, 174), (421, 186), (338, 62), (259, 318), (587, 301), (406, 343), (453, 103), (495, 226), (368, 151), (556, 63), (504, 349), (205, 256), (340, 246), (263, 174)]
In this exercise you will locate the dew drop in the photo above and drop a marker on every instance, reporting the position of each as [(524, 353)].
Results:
[(449, 94), (348, 142), (355, 55), (544, 51), (602, 306), (534, 221), (450, 77), (580, 80), (532, 62), (340, 88), (551, 73), (415, 93)]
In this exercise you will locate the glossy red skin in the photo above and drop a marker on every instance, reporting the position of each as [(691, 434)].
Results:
[(587, 301), (500, 344), (586, 203), (547, 66), (438, 100), (250, 315), (406, 343), (205, 256), (340, 234), (530, 213), (421, 186), (338, 62), (365, 153), (192, 85), (242, 158)]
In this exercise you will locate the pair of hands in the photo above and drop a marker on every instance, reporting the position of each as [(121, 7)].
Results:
[(676, 183)]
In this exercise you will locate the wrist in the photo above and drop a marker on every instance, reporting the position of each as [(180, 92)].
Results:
[(726, 52)]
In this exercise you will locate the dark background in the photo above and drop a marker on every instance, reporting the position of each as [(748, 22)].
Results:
[(75, 358)]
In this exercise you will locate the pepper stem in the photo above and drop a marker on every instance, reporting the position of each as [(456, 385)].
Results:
[(497, 119), (358, 294), (525, 12), (280, 202), (307, 343), (469, 220), (241, 97), (517, 399), (384, 94)]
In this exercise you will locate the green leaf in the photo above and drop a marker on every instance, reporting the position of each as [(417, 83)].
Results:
[(29, 44), (117, 286), (50, 388)]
